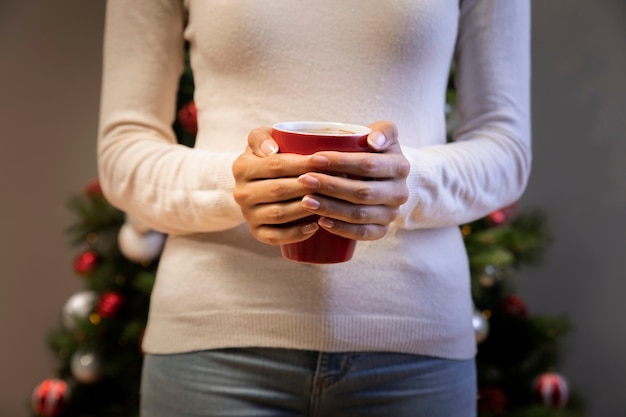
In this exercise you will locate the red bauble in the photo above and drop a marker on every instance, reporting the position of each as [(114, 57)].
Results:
[(497, 217), (492, 400), (50, 397), (188, 117), (86, 263), (515, 306), (552, 389), (110, 304), (93, 189), (502, 216)]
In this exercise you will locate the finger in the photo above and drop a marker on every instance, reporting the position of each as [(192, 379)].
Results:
[(390, 193), (353, 231), (280, 213), (249, 167), (261, 142), (283, 235), (383, 136), (268, 191), (349, 213), (361, 164)]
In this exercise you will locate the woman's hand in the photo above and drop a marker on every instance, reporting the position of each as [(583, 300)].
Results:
[(353, 208), (269, 193), (275, 190)]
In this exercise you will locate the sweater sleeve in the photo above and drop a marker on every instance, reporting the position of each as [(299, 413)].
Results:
[(488, 164), (143, 171)]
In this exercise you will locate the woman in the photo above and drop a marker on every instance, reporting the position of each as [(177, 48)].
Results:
[(234, 329)]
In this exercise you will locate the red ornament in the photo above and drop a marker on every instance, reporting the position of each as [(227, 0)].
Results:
[(86, 263), (50, 397), (492, 400), (502, 216), (497, 217), (110, 304), (188, 117), (93, 189), (552, 389), (515, 306)]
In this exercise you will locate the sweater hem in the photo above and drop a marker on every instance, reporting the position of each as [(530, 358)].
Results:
[(179, 334)]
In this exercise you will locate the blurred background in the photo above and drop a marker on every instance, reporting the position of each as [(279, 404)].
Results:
[(50, 67)]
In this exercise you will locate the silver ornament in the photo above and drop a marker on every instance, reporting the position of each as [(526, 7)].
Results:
[(78, 307), (86, 367)]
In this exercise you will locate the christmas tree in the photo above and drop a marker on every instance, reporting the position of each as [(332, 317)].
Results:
[(98, 342)]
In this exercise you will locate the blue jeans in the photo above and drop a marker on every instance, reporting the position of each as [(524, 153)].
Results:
[(264, 382)]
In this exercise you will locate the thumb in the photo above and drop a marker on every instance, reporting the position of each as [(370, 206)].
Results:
[(384, 135), (261, 142)]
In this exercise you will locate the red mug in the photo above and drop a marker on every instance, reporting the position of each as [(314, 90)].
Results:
[(305, 138)]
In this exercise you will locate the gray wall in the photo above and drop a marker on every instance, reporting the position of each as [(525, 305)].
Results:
[(49, 89), (579, 179)]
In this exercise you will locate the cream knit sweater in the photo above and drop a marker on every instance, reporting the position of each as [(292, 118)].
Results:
[(259, 62)]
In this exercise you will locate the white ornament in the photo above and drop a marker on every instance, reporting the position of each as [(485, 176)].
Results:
[(139, 247), (481, 326), (86, 367), (78, 307), (139, 226)]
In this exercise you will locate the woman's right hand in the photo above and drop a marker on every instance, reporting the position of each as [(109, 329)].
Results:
[(268, 192)]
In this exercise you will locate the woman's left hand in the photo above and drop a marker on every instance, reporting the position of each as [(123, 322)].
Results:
[(360, 209)]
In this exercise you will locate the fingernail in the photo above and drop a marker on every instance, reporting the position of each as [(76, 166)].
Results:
[(326, 223), (269, 147), (310, 203), (376, 140), (309, 228), (308, 181)]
